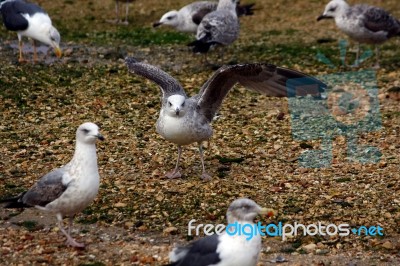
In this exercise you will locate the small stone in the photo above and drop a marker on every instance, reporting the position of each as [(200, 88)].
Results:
[(387, 245), (310, 247), (120, 205), (170, 230), (388, 215)]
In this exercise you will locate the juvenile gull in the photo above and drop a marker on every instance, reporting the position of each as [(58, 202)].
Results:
[(362, 23), (186, 120), (32, 21), (67, 190), (225, 249), (188, 18), (218, 27)]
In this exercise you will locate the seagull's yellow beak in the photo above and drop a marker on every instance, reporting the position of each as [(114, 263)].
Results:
[(57, 51), (268, 212)]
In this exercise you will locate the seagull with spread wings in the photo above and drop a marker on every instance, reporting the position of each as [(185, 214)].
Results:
[(185, 120)]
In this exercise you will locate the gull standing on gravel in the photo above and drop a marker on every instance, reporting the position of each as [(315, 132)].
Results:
[(117, 20), (362, 23), (186, 120), (67, 190), (218, 27), (188, 18), (32, 21), (227, 248)]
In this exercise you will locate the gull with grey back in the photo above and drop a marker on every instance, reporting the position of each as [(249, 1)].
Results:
[(67, 190), (188, 18), (31, 21), (231, 249), (219, 27), (185, 120), (362, 23)]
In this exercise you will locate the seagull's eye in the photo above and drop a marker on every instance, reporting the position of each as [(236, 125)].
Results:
[(332, 9), (170, 17), (183, 104), (86, 131), (169, 104)]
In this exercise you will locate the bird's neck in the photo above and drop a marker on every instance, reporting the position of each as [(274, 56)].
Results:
[(85, 155), (232, 221)]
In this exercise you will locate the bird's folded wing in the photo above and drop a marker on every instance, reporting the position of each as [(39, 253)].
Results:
[(198, 16), (197, 253), (376, 19), (47, 189)]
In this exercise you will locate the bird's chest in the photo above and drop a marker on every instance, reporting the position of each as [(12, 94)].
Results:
[(80, 193), (238, 251), (183, 131), (351, 27)]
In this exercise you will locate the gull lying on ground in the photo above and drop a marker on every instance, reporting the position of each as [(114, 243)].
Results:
[(186, 120), (32, 21), (225, 249), (67, 190), (362, 23), (188, 18)]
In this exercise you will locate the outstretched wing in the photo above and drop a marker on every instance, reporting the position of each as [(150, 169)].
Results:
[(267, 79), (168, 85)]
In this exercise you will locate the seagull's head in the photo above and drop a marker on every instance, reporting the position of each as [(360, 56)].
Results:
[(245, 210), (55, 38), (50, 36), (334, 9), (88, 133), (170, 18), (176, 105)]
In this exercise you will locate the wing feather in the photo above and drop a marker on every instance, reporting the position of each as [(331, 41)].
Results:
[(377, 19), (267, 79), (168, 85)]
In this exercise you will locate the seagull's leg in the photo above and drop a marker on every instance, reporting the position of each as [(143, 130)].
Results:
[(377, 65), (204, 175), (116, 11), (357, 63), (205, 59), (21, 57), (70, 241), (35, 58), (126, 12), (175, 173), (70, 222)]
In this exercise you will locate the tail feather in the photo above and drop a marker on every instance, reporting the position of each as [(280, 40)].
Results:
[(15, 202), (245, 10), (200, 46)]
